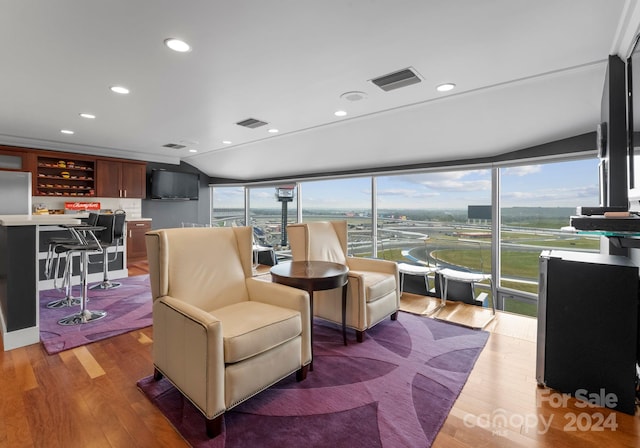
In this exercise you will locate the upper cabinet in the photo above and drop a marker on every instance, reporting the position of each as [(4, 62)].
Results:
[(119, 179), (16, 159), (70, 174)]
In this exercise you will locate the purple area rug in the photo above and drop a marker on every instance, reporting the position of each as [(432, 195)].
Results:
[(393, 390), (128, 308)]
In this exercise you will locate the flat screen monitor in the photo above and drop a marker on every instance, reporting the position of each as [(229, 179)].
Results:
[(633, 110), (174, 185)]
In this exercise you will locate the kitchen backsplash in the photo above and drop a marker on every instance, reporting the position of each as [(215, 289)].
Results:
[(133, 207)]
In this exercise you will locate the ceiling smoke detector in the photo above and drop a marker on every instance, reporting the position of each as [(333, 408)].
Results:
[(353, 96), (396, 80), (251, 123), (174, 146)]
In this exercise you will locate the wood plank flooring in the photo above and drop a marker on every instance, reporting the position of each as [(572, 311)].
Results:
[(87, 397)]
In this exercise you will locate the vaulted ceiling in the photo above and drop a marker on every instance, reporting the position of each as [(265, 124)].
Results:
[(525, 73)]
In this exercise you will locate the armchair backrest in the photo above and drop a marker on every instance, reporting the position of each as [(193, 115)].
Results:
[(205, 267), (319, 241)]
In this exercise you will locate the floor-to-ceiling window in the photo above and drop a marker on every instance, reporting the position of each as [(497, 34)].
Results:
[(227, 205), (536, 201), (440, 218), (271, 209), (342, 199)]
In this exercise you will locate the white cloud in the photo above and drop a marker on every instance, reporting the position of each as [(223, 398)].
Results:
[(522, 170), (459, 185), (261, 194), (567, 197), (405, 193), (469, 180)]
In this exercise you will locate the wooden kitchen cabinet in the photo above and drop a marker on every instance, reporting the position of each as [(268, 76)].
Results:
[(136, 246), (16, 159), (116, 179)]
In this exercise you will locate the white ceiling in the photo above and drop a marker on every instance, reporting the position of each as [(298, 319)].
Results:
[(527, 72)]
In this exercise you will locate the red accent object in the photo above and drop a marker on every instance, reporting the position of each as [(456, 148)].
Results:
[(82, 206)]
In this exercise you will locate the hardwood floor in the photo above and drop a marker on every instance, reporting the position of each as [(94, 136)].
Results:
[(87, 396)]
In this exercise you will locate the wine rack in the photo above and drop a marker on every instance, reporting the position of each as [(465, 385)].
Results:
[(65, 177)]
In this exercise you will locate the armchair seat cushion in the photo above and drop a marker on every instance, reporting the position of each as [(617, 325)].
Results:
[(250, 328), (376, 284)]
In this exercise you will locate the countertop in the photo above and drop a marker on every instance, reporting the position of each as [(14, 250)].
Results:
[(49, 220), (34, 220), (83, 215)]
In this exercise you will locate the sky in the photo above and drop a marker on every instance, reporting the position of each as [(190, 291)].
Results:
[(560, 184)]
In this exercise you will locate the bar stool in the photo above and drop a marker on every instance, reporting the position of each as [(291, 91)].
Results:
[(447, 274), (112, 235), (86, 242), (55, 251), (412, 269)]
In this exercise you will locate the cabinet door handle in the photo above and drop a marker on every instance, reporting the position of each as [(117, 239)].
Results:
[(130, 234), (125, 193), (140, 224)]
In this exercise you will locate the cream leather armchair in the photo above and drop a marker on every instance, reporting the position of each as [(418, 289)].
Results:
[(219, 335), (374, 289)]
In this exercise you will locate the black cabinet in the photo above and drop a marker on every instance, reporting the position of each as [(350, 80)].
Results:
[(588, 326), (18, 284)]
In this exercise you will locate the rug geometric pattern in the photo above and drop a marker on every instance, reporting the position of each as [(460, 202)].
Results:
[(128, 308), (393, 390)]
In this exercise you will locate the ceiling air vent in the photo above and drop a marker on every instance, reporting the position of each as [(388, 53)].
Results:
[(395, 80), (251, 123), (173, 146)]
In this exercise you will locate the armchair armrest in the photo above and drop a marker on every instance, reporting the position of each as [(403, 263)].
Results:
[(287, 297), (376, 265), (372, 264), (187, 342), (194, 313)]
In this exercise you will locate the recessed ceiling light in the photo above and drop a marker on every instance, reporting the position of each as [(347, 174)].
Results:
[(340, 113), (193, 150), (226, 142), (89, 116), (273, 131), (67, 131), (445, 87), (177, 45), (119, 89)]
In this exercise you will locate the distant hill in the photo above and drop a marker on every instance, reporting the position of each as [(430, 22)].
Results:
[(549, 212)]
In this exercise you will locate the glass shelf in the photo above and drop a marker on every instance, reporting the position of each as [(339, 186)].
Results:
[(618, 239)]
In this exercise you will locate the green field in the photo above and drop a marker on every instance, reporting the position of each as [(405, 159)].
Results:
[(515, 263)]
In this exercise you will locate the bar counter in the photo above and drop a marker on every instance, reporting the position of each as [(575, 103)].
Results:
[(19, 275)]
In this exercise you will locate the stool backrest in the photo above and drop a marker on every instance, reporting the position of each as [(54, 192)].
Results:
[(114, 228), (107, 221), (92, 220), (118, 225)]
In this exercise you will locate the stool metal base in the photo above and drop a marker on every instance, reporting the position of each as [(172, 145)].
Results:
[(447, 274), (463, 324), (82, 317), (436, 310), (106, 284), (63, 303)]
